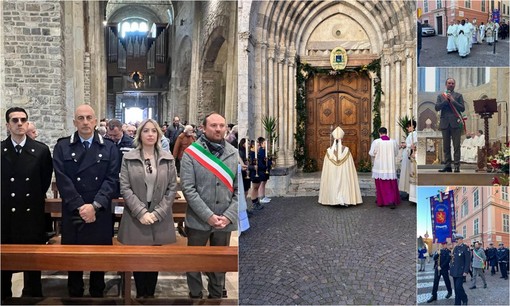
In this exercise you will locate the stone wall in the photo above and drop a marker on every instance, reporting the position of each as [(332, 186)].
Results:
[(34, 56)]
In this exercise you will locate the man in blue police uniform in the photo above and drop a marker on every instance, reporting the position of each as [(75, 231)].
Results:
[(459, 268), (86, 168), (492, 258), (502, 256), (441, 266), (26, 176)]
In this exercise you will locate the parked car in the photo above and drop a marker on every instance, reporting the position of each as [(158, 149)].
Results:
[(427, 30)]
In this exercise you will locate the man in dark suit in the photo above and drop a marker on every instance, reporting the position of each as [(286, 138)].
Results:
[(459, 268), (502, 255), (87, 172), (492, 258), (451, 104), (441, 267), (26, 176)]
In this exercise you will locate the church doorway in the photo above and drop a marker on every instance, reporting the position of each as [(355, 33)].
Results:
[(339, 101)]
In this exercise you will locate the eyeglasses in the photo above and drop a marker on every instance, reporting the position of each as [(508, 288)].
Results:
[(16, 120), (149, 166)]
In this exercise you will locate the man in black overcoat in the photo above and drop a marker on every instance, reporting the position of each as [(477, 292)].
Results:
[(459, 268), (87, 173), (26, 176)]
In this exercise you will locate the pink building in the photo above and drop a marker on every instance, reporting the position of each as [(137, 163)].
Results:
[(482, 214), (439, 13)]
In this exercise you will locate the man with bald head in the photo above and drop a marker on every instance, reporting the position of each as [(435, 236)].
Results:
[(87, 172)]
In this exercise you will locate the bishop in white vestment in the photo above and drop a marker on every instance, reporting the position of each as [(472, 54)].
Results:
[(339, 179)]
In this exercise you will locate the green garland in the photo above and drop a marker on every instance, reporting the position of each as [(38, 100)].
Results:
[(305, 71)]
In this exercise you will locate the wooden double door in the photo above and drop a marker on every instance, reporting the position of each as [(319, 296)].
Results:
[(339, 101)]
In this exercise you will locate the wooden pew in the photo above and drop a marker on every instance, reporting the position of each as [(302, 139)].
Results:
[(169, 258)]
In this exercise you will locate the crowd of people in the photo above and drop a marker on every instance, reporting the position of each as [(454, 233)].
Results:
[(463, 34), (463, 260), (100, 162)]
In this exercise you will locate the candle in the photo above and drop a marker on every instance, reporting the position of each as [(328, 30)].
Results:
[(265, 147), (272, 147)]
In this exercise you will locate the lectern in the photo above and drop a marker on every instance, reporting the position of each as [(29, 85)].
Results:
[(485, 108)]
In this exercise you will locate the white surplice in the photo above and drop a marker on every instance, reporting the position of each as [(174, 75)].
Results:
[(406, 182)]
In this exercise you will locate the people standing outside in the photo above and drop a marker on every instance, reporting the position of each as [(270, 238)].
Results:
[(459, 268), (339, 180), (492, 258), (450, 104), (421, 257), (383, 151), (87, 172), (463, 39), (481, 36), (478, 265), (184, 140), (451, 32), (441, 268), (148, 184), (209, 184), (26, 176), (407, 182), (502, 255)]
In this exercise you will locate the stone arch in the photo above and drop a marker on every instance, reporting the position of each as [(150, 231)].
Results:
[(115, 12), (427, 111), (181, 80), (213, 72)]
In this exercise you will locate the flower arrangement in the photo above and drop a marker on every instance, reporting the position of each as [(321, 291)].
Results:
[(499, 163)]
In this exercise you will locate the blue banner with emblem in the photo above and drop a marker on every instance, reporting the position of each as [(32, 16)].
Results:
[(442, 212)]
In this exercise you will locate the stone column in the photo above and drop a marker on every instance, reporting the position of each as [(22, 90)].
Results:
[(398, 87), (386, 81), (231, 102), (243, 83), (195, 88), (270, 79), (281, 106), (409, 84), (291, 108)]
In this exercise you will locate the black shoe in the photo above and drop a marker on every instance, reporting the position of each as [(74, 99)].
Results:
[(472, 287), (484, 286), (457, 169), (445, 169), (432, 299), (448, 295), (502, 277)]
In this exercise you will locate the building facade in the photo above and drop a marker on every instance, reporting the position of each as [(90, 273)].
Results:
[(481, 214)]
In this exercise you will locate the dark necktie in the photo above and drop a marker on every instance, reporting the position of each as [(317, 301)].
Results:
[(18, 149), (86, 145)]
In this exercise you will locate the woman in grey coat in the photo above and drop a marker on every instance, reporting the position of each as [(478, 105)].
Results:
[(148, 183)]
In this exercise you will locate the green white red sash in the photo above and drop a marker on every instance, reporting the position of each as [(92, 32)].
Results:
[(213, 164)]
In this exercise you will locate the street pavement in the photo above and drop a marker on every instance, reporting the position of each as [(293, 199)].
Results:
[(300, 252), (496, 293), (433, 54)]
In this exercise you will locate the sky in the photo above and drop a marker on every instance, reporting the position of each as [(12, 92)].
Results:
[(423, 221)]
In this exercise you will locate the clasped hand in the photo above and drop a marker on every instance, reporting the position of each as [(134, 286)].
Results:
[(148, 219), (87, 213), (218, 222)]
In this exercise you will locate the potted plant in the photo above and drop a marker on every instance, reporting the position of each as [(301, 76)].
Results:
[(270, 125)]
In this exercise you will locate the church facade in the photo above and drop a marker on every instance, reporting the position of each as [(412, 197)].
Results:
[(277, 37)]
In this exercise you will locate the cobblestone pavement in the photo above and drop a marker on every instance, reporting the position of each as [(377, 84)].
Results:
[(433, 54), (496, 293), (300, 252)]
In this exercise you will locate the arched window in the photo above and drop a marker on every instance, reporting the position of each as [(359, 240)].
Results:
[(133, 25)]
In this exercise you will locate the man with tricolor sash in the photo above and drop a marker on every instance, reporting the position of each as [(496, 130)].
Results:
[(209, 183)]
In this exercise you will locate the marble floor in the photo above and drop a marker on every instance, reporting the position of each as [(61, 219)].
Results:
[(172, 285)]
